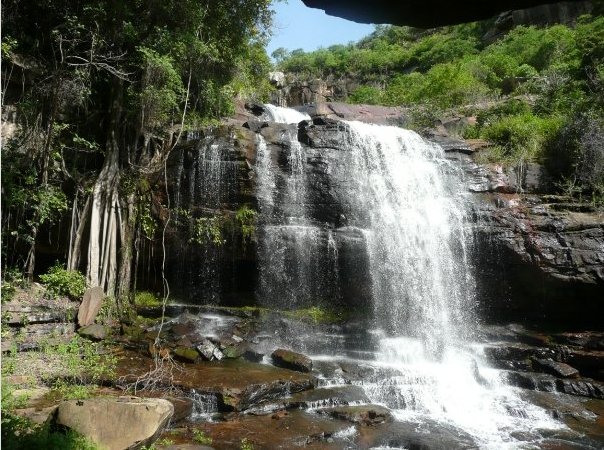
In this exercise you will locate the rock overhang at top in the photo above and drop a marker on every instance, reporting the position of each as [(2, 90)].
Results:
[(421, 13)]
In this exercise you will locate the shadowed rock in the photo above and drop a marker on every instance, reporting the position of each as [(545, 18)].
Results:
[(291, 360)]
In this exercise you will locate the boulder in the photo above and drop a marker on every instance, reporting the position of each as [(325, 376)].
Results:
[(186, 353), (91, 304), (291, 360), (209, 350), (117, 423), (362, 414), (94, 332)]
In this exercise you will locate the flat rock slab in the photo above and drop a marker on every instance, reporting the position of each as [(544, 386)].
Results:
[(296, 429), (240, 384), (425, 435), (361, 414), (117, 423), (39, 416)]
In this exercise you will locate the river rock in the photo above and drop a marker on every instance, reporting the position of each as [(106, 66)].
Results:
[(117, 423), (209, 350), (91, 304), (94, 331), (291, 360), (187, 353), (363, 414), (555, 368)]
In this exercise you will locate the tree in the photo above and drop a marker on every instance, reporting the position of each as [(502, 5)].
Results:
[(107, 90)]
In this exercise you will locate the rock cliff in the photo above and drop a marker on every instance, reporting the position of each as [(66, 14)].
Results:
[(538, 256)]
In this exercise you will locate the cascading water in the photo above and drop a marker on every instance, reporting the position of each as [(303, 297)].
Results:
[(408, 202), (423, 291), (290, 244)]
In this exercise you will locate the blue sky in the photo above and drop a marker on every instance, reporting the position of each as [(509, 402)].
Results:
[(297, 26)]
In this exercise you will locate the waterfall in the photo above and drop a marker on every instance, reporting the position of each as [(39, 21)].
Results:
[(279, 114), (408, 203), (416, 235)]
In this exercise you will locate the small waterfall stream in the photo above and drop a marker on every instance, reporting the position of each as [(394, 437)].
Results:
[(409, 204)]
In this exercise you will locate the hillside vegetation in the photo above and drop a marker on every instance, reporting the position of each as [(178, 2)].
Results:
[(538, 93)]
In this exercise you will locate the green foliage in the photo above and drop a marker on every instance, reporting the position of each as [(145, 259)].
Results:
[(104, 80), (523, 137), (246, 219), (22, 434), (444, 85), (201, 438), (60, 281), (147, 299), (12, 279), (208, 230), (246, 444), (162, 88), (82, 361), (368, 95)]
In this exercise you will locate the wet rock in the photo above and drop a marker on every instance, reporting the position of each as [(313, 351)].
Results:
[(95, 332), (117, 423), (183, 407), (253, 355), (234, 351), (422, 436), (291, 360), (515, 356), (183, 329), (91, 304), (328, 397), (555, 368), (257, 394), (381, 115), (586, 360), (363, 415), (583, 387)]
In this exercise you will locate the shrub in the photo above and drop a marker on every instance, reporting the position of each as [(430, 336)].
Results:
[(522, 137), (578, 154), (368, 95), (61, 281), (246, 219)]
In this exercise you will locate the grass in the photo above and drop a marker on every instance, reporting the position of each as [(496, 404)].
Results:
[(201, 438), (146, 299)]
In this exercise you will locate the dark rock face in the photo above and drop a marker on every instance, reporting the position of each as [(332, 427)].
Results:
[(427, 14), (536, 256)]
